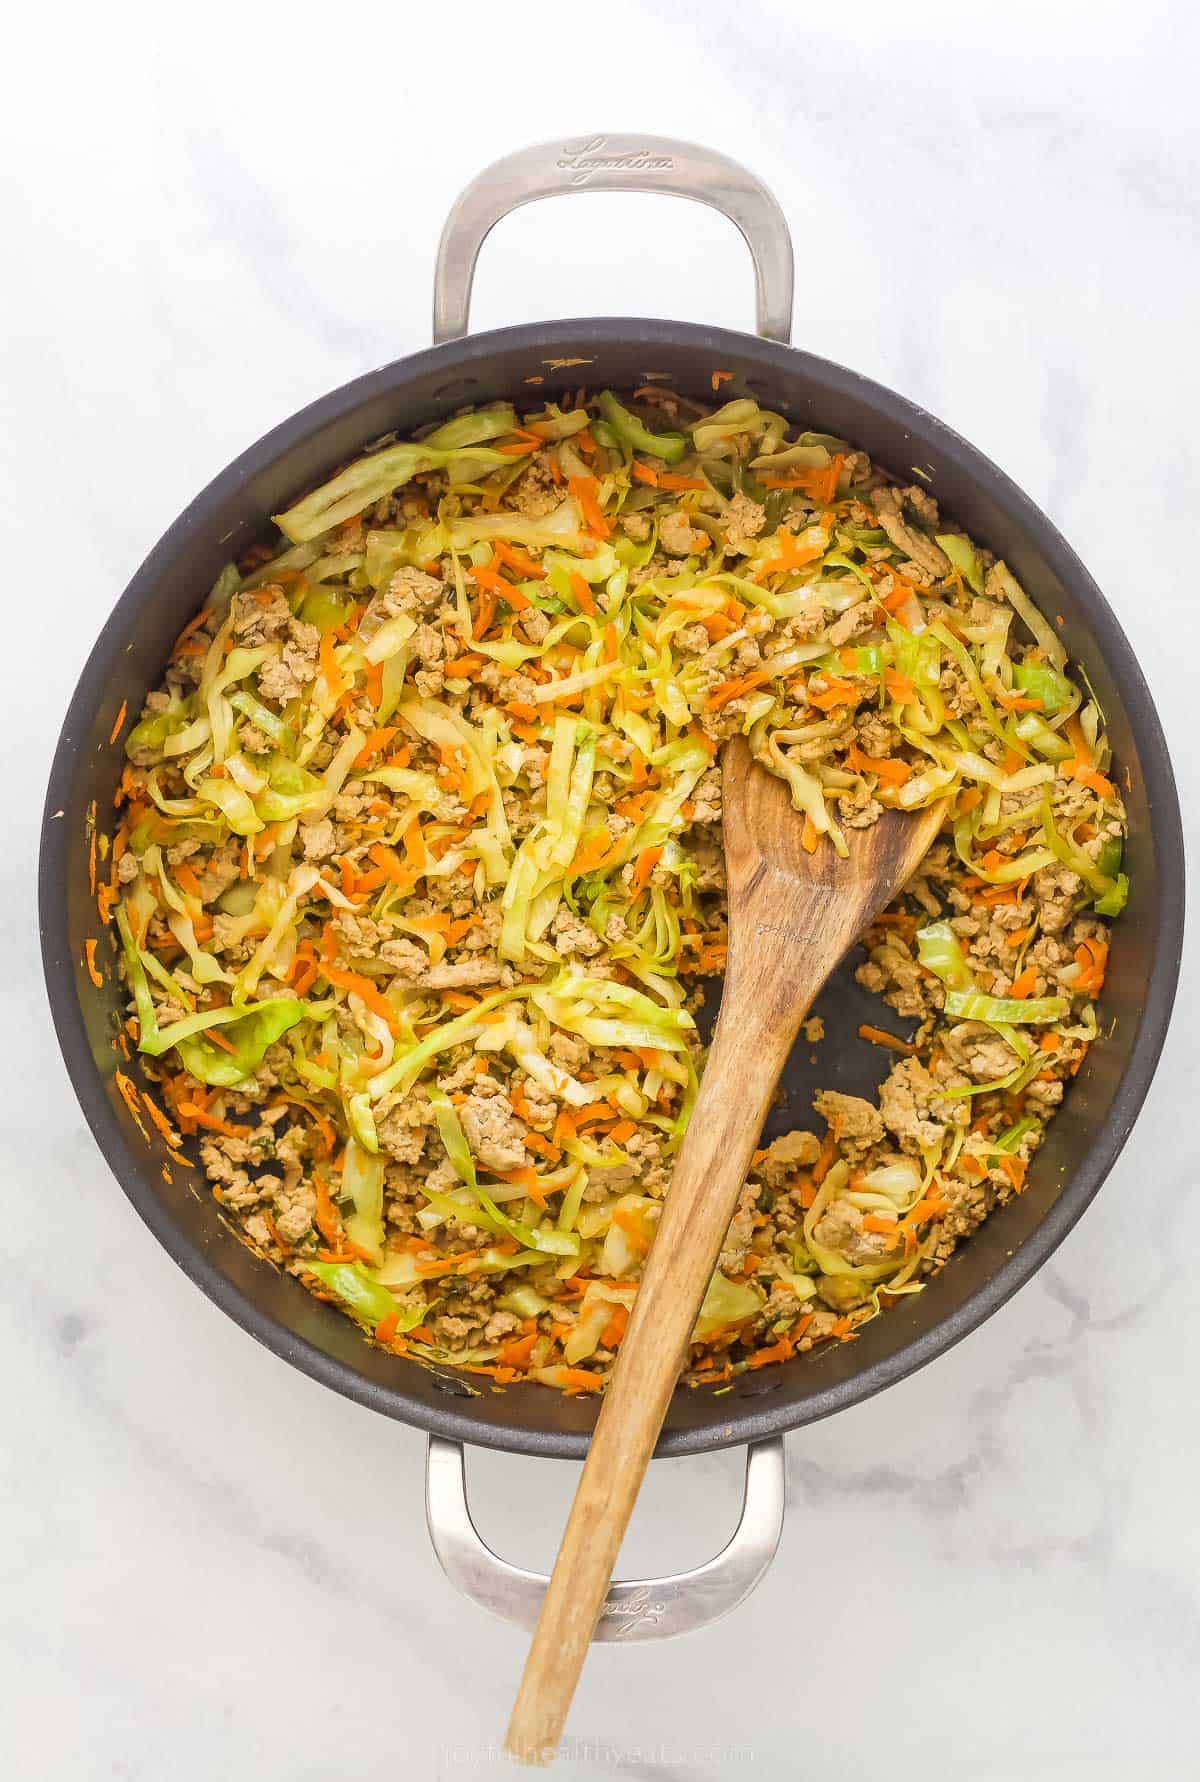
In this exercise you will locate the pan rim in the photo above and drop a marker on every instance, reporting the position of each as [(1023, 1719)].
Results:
[(744, 1424)]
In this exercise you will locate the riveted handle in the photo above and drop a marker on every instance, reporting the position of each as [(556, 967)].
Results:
[(638, 1609), (616, 164)]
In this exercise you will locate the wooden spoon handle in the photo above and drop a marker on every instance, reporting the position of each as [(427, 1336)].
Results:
[(750, 1047)]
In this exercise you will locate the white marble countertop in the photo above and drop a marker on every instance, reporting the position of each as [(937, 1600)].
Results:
[(212, 1567)]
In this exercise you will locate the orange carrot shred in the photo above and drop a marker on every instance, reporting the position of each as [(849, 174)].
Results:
[(89, 953)]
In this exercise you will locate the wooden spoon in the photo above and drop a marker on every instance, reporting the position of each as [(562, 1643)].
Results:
[(792, 916)]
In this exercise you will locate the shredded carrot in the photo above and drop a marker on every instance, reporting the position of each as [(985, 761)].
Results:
[(646, 861), (586, 491), (792, 555), (193, 624), (582, 594), (826, 1160), (879, 1036), (834, 692), (518, 1351), (627, 1221), (192, 1111), (1024, 984), (119, 721), (643, 473), (485, 612), (1092, 959), (458, 999), (160, 1120), (89, 953), (899, 686), (520, 447), (783, 1350), (576, 1379), (596, 853), (516, 560), (542, 1147), (302, 973), (809, 835), (491, 580), (1014, 1168), (327, 1218), (363, 988), (377, 740), (186, 879), (329, 667), (733, 689), (718, 378), (1082, 766), (414, 846), (893, 771), (928, 1208)]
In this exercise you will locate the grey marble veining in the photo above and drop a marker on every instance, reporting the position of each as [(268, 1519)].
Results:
[(212, 1567)]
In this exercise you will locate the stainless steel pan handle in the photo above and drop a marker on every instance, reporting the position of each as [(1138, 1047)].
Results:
[(615, 164), (640, 1609)]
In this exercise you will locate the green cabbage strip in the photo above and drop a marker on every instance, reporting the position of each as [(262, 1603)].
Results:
[(281, 734), (1009, 1140), (1110, 889), (258, 1026), (973, 1005), (1037, 733), (1054, 690), (410, 1061), (725, 1302), (250, 1037), (940, 951), (832, 1262), (741, 416), (961, 553), (608, 1014), (365, 1298), (670, 447), (1002, 584), (362, 1179), (966, 663), (548, 1240), (457, 448)]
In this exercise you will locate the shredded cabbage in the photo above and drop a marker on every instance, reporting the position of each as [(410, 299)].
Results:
[(419, 862)]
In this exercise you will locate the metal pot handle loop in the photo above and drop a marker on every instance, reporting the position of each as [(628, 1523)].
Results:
[(615, 164), (639, 1609)]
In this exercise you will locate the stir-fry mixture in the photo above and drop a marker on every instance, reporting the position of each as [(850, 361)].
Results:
[(418, 873)]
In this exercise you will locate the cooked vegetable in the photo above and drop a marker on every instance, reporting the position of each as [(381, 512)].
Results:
[(631, 432), (416, 874)]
